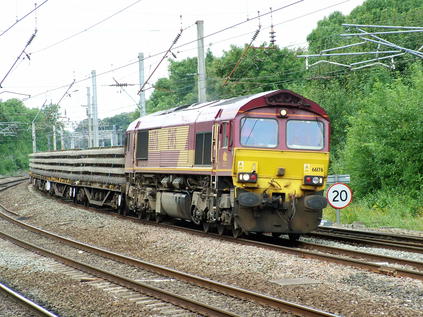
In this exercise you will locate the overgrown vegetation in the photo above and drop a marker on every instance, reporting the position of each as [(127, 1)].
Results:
[(376, 113), (15, 147)]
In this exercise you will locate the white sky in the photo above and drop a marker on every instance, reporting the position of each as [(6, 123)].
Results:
[(149, 26)]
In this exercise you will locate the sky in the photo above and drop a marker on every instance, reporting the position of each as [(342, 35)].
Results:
[(75, 37)]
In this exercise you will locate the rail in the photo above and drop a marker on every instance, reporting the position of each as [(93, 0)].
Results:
[(25, 301), (199, 281)]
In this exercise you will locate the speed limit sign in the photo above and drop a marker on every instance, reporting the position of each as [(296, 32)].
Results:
[(339, 196)]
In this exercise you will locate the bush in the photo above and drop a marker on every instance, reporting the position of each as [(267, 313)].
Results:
[(383, 209), (385, 140)]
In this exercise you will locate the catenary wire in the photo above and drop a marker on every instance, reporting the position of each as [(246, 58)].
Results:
[(19, 20), (191, 42), (88, 28), (156, 54)]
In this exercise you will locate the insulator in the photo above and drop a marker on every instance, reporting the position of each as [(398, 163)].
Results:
[(256, 34), (272, 36)]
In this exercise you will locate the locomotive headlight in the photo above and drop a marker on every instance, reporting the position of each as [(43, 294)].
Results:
[(247, 177), (283, 113), (313, 180)]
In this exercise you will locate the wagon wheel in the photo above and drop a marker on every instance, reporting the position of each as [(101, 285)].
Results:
[(220, 229), (206, 226)]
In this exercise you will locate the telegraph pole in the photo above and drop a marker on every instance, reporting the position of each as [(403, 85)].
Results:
[(202, 93), (62, 141), (94, 109), (34, 141), (90, 120), (113, 139), (142, 93), (54, 137)]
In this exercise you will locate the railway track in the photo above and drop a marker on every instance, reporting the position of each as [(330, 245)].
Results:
[(376, 263), (393, 237), (8, 182), (372, 239), (33, 308), (119, 282), (187, 303), (363, 260)]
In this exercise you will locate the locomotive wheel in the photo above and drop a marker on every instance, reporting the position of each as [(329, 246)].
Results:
[(206, 227), (159, 218), (276, 234), (141, 214), (236, 232), (293, 236), (195, 215), (220, 229), (124, 210)]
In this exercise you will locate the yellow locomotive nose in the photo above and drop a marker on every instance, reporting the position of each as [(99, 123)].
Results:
[(301, 171)]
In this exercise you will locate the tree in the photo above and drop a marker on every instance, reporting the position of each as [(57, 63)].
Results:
[(14, 149), (385, 140)]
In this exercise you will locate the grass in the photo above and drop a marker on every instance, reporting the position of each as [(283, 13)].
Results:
[(382, 210)]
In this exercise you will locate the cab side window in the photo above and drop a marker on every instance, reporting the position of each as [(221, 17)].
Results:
[(142, 145), (225, 135), (203, 148)]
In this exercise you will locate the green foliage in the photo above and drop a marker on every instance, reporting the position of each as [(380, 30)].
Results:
[(385, 139), (246, 71), (383, 209), (179, 88), (14, 149), (120, 121), (326, 33)]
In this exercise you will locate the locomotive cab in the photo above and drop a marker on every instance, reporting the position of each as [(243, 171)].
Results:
[(281, 155)]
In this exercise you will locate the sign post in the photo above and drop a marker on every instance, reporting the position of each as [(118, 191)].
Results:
[(339, 196)]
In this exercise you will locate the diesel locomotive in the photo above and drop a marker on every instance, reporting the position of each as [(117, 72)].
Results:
[(254, 163)]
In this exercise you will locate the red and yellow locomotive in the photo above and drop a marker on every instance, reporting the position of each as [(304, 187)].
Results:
[(255, 163)]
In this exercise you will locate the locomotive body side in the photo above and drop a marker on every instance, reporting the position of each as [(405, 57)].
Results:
[(252, 164)]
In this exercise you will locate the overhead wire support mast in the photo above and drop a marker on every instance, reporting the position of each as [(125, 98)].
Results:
[(164, 56), (17, 59), (366, 37), (406, 29)]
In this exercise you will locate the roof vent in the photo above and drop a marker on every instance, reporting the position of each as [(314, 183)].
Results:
[(285, 98)]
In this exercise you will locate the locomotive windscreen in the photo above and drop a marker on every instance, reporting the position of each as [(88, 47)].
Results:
[(305, 134), (259, 132)]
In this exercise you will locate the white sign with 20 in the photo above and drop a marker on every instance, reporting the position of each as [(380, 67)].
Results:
[(339, 196)]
